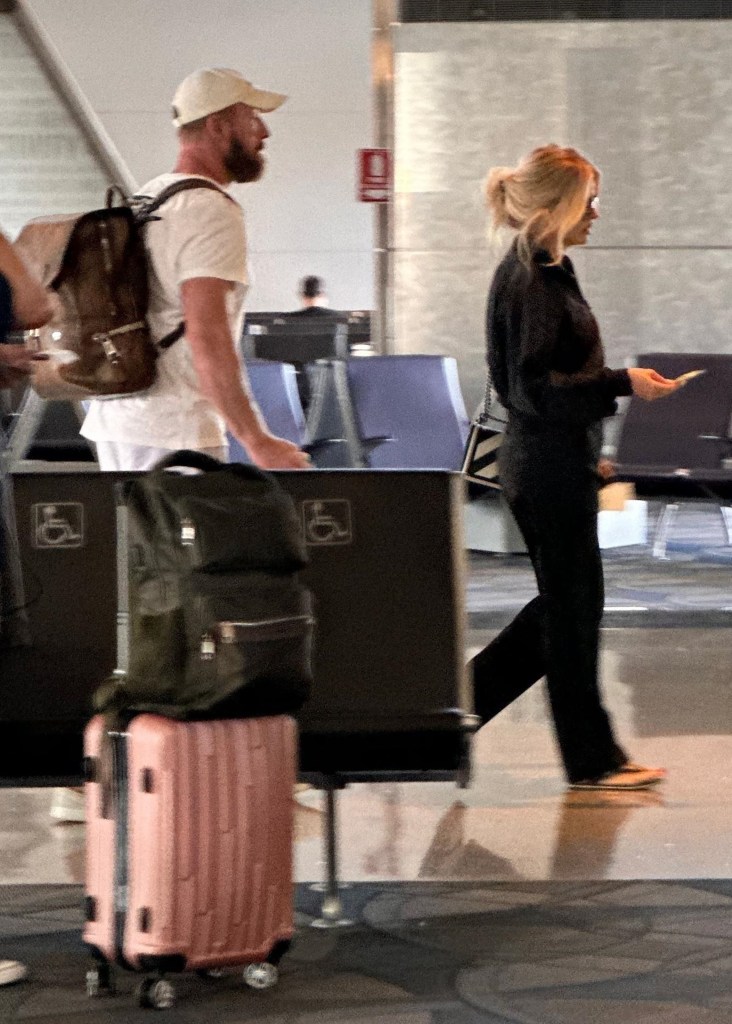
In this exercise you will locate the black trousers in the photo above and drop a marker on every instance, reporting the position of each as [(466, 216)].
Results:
[(551, 489)]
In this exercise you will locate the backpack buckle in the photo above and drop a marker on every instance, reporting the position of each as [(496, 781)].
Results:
[(208, 647), (104, 338), (187, 532), (108, 347)]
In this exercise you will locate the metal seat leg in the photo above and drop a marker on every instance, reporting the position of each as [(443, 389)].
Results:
[(663, 528), (726, 513), (330, 908)]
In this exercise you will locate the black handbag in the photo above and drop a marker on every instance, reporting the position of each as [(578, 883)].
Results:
[(480, 459)]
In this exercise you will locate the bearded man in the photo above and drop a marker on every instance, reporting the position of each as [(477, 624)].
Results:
[(196, 245)]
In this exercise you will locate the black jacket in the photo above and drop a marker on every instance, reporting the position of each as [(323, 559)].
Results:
[(544, 349)]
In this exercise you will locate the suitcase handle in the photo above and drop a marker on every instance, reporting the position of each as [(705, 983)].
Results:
[(208, 464)]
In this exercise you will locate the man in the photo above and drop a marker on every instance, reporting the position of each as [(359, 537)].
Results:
[(23, 303), (313, 298), (198, 276)]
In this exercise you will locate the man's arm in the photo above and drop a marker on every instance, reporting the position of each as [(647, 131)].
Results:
[(220, 374), (32, 305)]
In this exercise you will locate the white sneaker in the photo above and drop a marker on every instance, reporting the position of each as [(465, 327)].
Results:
[(68, 805), (12, 971), (308, 796)]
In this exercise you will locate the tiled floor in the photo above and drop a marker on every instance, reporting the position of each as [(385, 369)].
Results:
[(668, 690), (503, 903), (669, 694)]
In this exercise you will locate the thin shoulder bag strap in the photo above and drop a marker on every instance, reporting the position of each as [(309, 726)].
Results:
[(483, 414), (490, 399)]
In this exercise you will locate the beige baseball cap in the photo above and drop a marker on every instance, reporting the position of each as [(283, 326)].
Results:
[(211, 89)]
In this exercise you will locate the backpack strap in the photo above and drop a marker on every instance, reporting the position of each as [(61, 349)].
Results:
[(205, 463), (144, 214), (189, 459), (145, 206), (170, 339)]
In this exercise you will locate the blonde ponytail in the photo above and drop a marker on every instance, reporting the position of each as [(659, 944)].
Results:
[(542, 198), (495, 195)]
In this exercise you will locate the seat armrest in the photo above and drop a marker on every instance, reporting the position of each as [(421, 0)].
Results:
[(321, 444), (375, 441)]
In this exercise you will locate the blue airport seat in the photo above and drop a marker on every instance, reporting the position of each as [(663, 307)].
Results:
[(409, 411), (684, 442), (274, 387), (330, 414), (680, 448)]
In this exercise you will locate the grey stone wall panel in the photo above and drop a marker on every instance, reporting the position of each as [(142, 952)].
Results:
[(650, 102)]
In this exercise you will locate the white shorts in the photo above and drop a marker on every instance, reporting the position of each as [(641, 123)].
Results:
[(136, 458)]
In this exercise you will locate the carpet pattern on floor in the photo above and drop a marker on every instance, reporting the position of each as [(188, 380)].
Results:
[(637, 952)]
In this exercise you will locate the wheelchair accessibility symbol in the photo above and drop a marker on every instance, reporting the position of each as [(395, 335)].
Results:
[(58, 525), (327, 522)]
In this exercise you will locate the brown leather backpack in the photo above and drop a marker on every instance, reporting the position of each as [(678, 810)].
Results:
[(98, 341)]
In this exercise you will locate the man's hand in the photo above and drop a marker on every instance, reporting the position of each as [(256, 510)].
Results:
[(276, 453), (649, 384)]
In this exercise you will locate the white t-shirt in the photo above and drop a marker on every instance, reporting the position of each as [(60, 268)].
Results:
[(200, 233)]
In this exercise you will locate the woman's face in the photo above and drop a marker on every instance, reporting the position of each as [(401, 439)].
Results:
[(579, 234)]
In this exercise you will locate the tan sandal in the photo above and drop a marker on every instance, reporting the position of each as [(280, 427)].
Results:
[(630, 766), (629, 777)]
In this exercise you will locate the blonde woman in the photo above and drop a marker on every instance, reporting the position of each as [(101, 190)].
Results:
[(548, 367)]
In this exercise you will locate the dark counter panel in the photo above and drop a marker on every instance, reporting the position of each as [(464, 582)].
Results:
[(386, 568)]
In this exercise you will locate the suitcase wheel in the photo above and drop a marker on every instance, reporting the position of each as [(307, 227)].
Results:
[(100, 978), (211, 973), (260, 976), (155, 994)]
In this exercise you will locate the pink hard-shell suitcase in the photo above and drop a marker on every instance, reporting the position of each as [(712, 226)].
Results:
[(189, 849)]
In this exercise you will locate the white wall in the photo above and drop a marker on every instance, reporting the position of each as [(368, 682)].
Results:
[(128, 56), (46, 165)]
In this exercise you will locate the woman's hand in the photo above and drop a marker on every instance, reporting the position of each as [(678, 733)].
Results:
[(17, 357), (33, 305), (649, 384), (16, 362)]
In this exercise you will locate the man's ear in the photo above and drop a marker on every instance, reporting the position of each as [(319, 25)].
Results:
[(217, 126)]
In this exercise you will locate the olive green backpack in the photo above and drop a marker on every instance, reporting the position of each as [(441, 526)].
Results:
[(219, 623)]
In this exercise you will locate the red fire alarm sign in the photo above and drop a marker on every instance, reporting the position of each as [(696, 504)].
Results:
[(374, 175)]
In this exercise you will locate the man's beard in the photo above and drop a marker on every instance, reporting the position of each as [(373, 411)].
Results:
[(241, 165)]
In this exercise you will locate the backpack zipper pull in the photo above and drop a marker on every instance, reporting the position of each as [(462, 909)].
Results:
[(187, 532), (208, 647)]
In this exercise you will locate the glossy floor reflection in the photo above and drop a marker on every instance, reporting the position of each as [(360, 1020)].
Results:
[(668, 690)]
